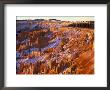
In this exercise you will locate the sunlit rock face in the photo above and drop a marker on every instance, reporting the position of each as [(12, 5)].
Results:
[(54, 47)]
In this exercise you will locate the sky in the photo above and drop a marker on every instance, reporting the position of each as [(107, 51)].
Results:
[(62, 18)]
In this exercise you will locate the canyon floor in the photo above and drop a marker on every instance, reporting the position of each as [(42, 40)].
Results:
[(64, 50)]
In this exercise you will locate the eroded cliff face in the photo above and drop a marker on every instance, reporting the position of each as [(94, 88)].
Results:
[(61, 50)]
